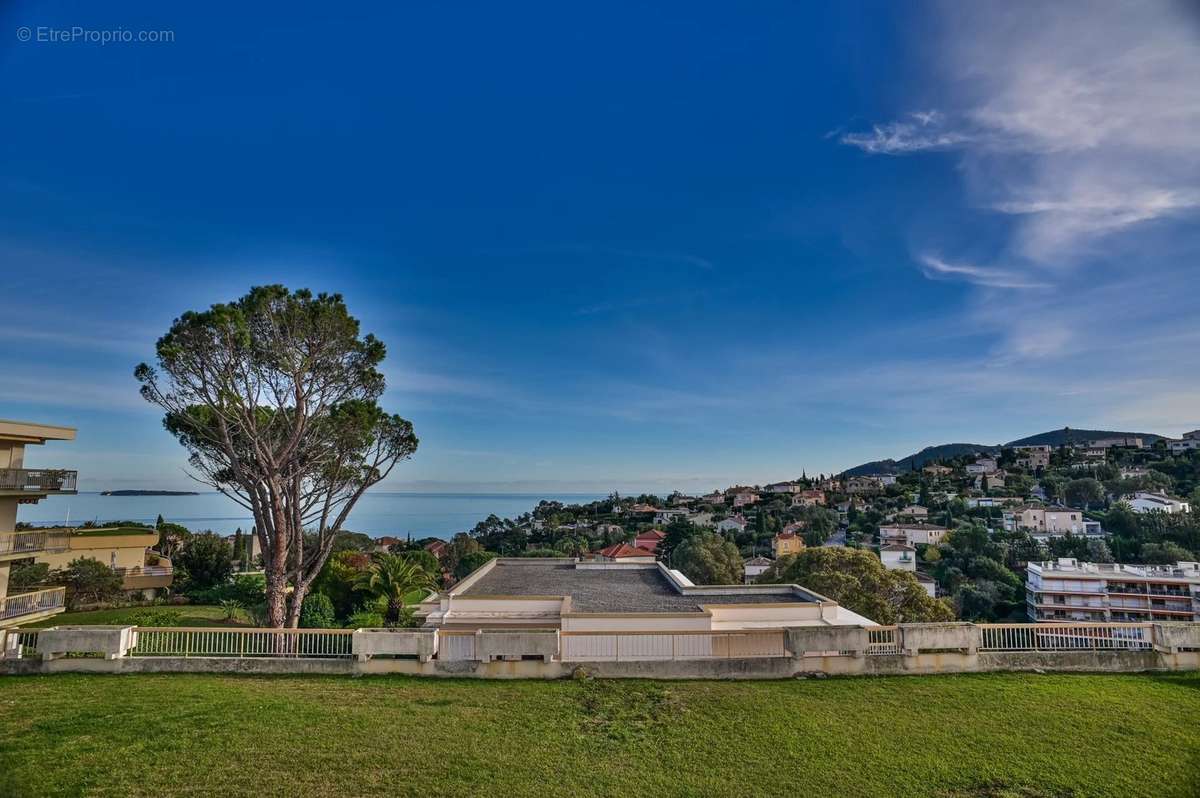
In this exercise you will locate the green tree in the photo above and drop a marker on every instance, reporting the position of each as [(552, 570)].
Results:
[(88, 581), (275, 398), (393, 577), (1084, 492), (857, 580), (338, 577), (1166, 553), (469, 562), (206, 561), (317, 612), (171, 537), (25, 576), (709, 559)]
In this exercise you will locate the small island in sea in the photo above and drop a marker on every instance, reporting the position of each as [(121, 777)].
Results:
[(149, 493)]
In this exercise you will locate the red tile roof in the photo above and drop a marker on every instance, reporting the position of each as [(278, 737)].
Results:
[(619, 550)]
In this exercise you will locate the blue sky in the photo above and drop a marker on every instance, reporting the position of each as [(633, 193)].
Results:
[(611, 246)]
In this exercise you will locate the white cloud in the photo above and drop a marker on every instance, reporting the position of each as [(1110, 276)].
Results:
[(935, 268), (921, 131), (1080, 119)]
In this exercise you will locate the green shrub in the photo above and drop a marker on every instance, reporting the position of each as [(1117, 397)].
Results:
[(26, 576), (317, 612), (155, 617), (365, 619)]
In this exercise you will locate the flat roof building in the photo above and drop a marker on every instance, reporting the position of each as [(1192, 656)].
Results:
[(573, 595)]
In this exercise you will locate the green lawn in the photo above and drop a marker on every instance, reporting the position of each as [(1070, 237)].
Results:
[(1025, 736), (189, 615)]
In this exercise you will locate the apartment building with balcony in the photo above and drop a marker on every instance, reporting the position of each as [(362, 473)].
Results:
[(127, 550), (21, 485), (1065, 590)]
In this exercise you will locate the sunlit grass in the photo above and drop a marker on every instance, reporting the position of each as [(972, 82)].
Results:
[(993, 735)]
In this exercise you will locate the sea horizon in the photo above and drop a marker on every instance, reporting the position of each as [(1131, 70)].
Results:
[(392, 513)]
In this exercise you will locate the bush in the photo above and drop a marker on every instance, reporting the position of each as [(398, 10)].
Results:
[(317, 612), (365, 619), (28, 575), (155, 617), (89, 581)]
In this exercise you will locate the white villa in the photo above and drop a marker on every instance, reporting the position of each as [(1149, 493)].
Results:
[(573, 596), (1157, 503)]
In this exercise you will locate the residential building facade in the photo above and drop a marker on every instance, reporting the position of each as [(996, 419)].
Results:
[(1050, 522), (1068, 590), (911, 534), (21, 485), (787, 542)]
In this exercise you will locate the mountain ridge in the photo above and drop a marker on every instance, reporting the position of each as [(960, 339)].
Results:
[(944, 451)]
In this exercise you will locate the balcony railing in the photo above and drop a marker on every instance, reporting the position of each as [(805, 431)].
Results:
[(32, 603), (146, 570), (32, 541), (38, 480)]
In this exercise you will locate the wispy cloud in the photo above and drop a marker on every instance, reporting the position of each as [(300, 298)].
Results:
[(920, 131), (935, 268), (1082, 123)]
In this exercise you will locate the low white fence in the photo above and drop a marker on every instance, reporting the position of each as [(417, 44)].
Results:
[(1066, 637), (649, 646), (233, 642)]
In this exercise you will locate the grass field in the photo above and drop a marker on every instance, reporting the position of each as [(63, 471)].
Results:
[(978, 735), (189, 615)]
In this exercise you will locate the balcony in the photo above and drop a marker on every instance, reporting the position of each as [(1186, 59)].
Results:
[(148, 577), (24, 607), (37, 481), (30, 542)]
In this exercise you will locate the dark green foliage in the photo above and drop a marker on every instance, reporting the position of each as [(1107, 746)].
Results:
[(857, 580), (205, 562), (317, 612), (26, 576), (470, 562), (709, 559), (88, 581)]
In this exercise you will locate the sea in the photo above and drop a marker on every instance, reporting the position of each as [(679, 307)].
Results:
[(397, 514)]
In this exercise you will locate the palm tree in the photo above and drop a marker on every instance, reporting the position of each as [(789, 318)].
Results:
[(393, 577)]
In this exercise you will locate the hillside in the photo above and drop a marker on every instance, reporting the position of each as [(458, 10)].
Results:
[(930, 454), (1066, 435), (913, 461)]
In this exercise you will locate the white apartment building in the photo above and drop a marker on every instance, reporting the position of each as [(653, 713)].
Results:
[(1050, 522), (1157, 503), (1068, 590), (1189, 441), (911, 534)]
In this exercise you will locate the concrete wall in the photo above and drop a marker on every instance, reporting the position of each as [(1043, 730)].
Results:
[(758, 668), (828, 650)]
